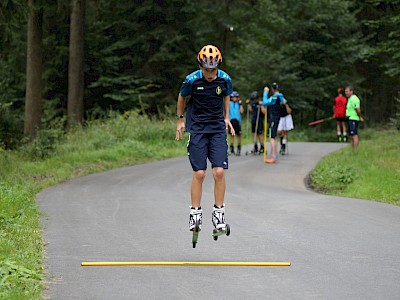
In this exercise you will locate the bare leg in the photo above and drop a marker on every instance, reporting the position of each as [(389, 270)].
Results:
[(354, 142), (260, 138), (285, 140), (274, 150), (219, 186), (232, 138), (197, 187), (344, 127), (338, 126)]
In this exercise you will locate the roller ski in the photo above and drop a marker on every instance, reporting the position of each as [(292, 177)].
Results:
[(218, 219), (255, 151), (195, 222)]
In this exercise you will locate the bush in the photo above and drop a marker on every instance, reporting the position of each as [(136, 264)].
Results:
[(44, 144), (336, 177)]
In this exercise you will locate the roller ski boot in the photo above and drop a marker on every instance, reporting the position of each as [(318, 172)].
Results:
[(218, 219), (282, 151), (231, 150), (195, 222), (255, 150), (261, 149), (239, 148)]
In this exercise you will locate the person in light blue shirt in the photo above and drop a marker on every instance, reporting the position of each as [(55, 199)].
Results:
[(235, 116), (273, 102)]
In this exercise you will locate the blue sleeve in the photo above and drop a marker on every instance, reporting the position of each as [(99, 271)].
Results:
[(186, 88), (281, 99), (266, 101), (228, 80)]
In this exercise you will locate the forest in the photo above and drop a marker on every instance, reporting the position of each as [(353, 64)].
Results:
[(65, 62)]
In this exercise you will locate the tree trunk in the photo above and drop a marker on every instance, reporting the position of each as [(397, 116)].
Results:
[(75, 68), (33, 95)]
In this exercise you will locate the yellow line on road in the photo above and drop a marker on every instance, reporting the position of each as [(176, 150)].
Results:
[(185, 263)]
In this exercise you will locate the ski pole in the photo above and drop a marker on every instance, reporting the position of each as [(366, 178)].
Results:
[(247, 121), (319, 121), (265, 134), (255, 132)]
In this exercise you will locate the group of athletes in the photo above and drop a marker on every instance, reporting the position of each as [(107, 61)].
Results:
[(346, 111), (279, 118)]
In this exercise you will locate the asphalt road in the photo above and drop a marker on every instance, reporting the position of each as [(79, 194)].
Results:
[(339, 248)]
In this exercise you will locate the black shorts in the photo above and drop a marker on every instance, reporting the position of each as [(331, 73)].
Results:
[(260, 126), (236, 126), (353, 127), (273, 127), (341, 119)]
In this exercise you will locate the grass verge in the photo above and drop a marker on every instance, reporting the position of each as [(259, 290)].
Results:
[(371, 172), (55, 157)]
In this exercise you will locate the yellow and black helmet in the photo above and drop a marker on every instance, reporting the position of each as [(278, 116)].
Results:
[(209, 57)]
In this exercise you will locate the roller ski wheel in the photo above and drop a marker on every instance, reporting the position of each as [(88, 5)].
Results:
[(195, 236), (217, 233)]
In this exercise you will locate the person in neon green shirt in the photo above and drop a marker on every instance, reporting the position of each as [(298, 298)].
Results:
[(353, 115)]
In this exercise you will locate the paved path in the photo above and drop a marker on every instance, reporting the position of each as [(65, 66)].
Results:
[(339, 248)]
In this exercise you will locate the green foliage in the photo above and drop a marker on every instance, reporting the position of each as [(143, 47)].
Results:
[(370, 172), (133, 52), (395, 120), (13, 275), (336, 176), (137, 54), (10, 126), (44, 144), (385, 31), (20, 243), (117, 141), (12, 71), (380, 67)]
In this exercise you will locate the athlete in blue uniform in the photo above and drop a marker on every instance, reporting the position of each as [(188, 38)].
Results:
[(207, 118), (235, 116), (274, 102)]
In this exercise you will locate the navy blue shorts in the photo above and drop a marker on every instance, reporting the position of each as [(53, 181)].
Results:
[(208, 145), (273, 127), (260, 126), (353, 127)]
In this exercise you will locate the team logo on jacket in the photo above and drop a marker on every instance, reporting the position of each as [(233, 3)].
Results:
[(218, 90)]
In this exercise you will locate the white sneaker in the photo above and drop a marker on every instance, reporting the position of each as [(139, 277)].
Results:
[(218, 218), (196, 216)]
